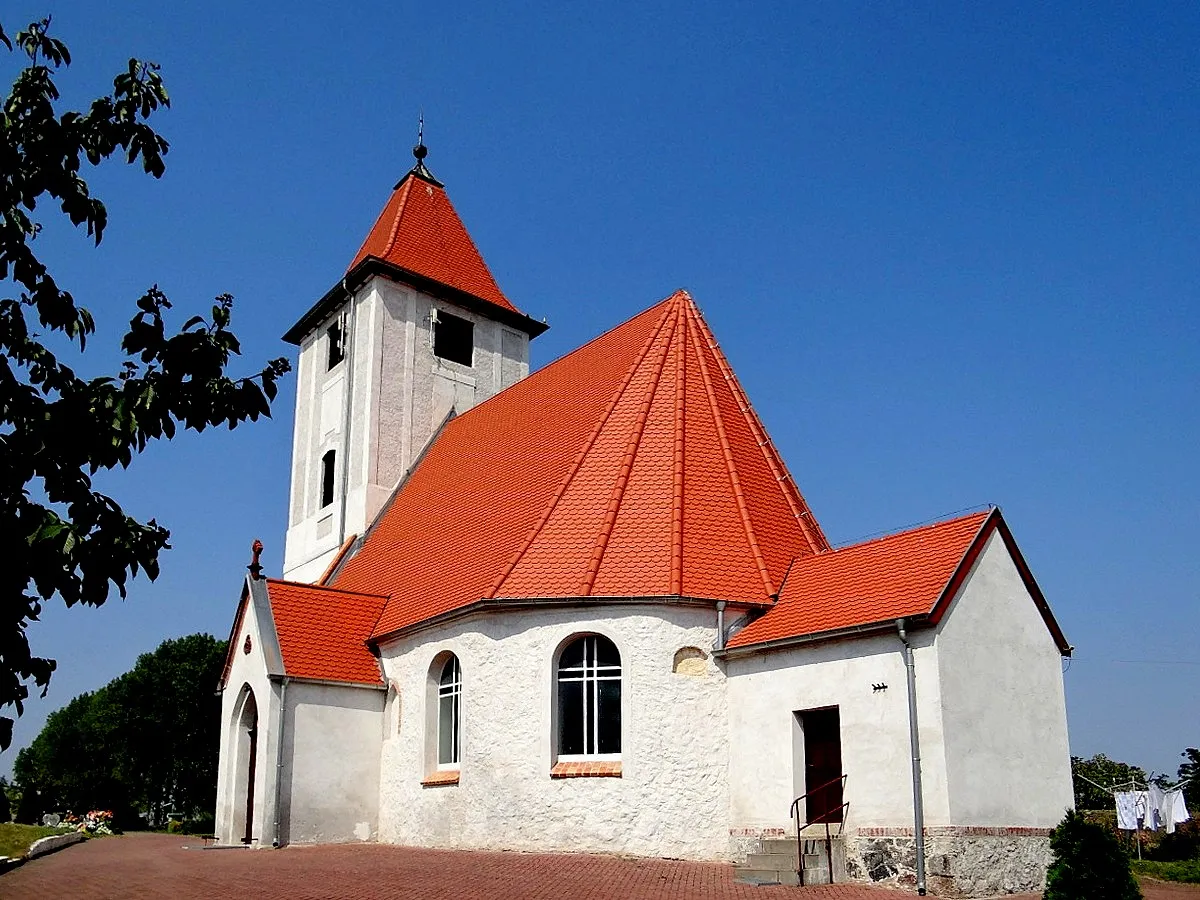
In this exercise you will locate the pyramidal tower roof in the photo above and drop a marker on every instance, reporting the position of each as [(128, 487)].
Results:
[(632, 467), (419, 238), (419, 231)]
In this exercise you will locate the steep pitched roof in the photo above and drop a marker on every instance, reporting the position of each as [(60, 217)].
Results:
[(420, 232), (913, 573), (322, 631), (633, 466)]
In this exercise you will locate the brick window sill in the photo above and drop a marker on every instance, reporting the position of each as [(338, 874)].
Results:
[(438, 779), (606, 769)]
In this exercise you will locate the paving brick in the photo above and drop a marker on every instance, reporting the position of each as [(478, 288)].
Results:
[(158, 866)]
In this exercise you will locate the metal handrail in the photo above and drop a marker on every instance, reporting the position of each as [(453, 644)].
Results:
[(823, 817), (795, 813)]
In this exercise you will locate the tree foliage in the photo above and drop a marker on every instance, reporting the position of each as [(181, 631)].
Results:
[(59, 535), (1088, 864), (1189, 771), (1103, 771), (147, 741)]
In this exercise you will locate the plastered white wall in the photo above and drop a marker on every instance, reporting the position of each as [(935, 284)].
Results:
[(247, 671), (672, 798), (765, 771), (331, 763), (1003, 709), (397, 394)]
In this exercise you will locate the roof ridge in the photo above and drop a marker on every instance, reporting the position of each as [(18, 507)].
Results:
[(727, 451), (579, 458), (401, 208), (804, 517), (617, 494), (677, 462), (913, 530), (325, 587), (441, 234)]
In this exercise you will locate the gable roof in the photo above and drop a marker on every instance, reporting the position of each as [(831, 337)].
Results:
[(322, 631), (913, 573), (632, 467)]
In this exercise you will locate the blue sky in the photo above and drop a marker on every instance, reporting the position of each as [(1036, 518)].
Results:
[(951, 253)]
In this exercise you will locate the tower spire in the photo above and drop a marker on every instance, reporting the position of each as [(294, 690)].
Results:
[(420, 151)]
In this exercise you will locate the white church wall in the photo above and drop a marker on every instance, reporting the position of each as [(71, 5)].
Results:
[(397, 393), (672, 796), (766, 751), (247, 671), (331, 763), (1003, 708)]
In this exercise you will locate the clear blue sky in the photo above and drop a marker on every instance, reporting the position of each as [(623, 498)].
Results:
[(951, 253)]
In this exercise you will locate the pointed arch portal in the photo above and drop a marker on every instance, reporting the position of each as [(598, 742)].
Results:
[(246, 755)]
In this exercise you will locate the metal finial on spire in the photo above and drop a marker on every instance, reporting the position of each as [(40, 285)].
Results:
[(420, 151)]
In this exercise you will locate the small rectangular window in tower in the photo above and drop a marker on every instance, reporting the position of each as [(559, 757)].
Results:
[(337, 347), (327, 469), (453, 338)]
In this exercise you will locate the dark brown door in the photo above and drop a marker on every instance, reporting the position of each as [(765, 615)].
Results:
[(250, 780), (823, 764)]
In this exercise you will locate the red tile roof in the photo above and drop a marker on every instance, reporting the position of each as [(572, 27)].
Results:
[(899, 575), (322, 631), (419, 231), (633, 466)]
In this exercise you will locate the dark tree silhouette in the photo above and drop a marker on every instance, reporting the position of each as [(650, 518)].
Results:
[(58, 536)]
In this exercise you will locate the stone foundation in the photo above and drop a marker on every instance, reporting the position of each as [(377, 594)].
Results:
[(959, 861)]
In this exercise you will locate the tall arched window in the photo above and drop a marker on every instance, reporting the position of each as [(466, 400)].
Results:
[(589, 698), (449, 714)]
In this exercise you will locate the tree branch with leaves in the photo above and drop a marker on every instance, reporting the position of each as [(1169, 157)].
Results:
[(59, 536)]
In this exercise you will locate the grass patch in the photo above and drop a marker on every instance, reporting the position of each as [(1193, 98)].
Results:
[(15, 839), (1187, 871)]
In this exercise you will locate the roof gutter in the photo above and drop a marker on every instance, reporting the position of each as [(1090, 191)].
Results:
[(373, 265), (921, 620), (489, 604), (329, 682)]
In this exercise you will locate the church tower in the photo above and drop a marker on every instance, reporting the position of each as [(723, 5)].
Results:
[(415, 329)]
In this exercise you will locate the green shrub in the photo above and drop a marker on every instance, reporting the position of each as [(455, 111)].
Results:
[(175, 826), (1184, 844), (1088, 864)]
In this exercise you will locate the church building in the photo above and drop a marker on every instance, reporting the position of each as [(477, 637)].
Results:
[(588, 609)]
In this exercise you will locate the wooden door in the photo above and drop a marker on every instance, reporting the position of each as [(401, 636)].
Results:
[(822, 764)]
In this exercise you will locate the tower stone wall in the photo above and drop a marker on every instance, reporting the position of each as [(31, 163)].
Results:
[(379, 406)]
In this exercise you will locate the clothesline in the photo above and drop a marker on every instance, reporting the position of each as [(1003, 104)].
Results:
[(1132, 783)]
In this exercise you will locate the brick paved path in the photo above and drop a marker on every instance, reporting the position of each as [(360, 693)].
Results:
[(144, 865)]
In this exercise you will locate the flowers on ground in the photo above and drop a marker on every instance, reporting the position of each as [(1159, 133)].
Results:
[(98, 821)]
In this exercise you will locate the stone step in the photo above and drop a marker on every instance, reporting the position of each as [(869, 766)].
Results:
[(766, 876), (780, 861)]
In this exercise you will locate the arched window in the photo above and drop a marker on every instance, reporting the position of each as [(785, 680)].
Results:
[(449, 714), (589, 698)]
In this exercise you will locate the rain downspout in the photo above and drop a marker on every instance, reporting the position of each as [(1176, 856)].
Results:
[(915, 743), (348, 337), (720, 624), (276, 843)]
